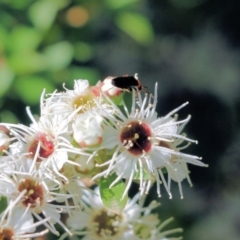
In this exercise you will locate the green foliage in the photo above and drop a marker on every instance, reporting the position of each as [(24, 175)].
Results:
[(112, 197), (41, 49), (23, 38), (33, 86), (145, 175), (3, 203), (27, 62), (6, 79), (43, 13), (136, 26), (58, 56), (120, 4), (83, 73), (83, 51)]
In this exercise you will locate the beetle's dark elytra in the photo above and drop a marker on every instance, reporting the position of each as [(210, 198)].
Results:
[(127, 83)]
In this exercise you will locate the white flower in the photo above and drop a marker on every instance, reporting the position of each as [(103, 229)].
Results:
[(16, 224), (35, 196), (95, 222), (4, 141), (83, 133), (177, 168), (85, 166), (140, 140), (149, 227), (87, 129), (71, 184), (81, 98), (45, 142)]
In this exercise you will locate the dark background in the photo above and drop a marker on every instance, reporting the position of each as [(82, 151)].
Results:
[(190, 47)]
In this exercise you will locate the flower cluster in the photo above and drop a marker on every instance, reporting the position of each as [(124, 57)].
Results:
[(87, 136), (135, 222)]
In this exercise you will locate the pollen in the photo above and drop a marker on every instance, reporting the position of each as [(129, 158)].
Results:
[(106, 224), (85, 101), (34, 195), (136, 137)]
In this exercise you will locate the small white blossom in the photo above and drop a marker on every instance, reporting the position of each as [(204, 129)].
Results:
[(45, 142), (87, 129), (81, 98), (141, 144)]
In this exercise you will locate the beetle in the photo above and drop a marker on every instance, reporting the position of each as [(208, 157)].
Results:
[(127, 83)]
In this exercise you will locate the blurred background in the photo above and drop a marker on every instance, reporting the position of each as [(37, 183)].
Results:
[(190, 47)]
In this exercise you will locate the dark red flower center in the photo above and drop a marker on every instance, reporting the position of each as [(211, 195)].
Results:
[(136, 137)]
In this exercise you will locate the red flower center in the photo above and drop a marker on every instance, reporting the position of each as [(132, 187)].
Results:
[(46, 147), (136, 137)]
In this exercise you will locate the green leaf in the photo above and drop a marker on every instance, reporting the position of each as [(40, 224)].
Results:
[(59, 55), (30, 88), (137, 26), (3, 38), (145, 175), (112, 198), (3, 203), (119, 4), (23, 38), (6, 79), (19, 4), (27, 62), (8, 117), (43, 13), (90, 74), (164, 170), (83, 52)]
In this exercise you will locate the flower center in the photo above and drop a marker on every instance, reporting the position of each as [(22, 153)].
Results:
[(86, 101), (136, 138), (146, 226), (6, 234), (106, 224), (143, 231), (46, 147), (34, 195)]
